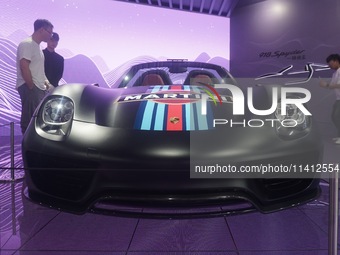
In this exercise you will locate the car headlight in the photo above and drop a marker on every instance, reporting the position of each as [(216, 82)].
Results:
[(55, 117), (294, 124)]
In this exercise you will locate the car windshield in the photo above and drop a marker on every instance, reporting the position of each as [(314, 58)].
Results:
[(175, 74)]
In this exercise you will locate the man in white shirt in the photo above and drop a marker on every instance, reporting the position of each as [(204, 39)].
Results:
[(333, 62), (32, 83)]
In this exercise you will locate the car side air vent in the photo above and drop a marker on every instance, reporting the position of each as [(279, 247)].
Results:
[(276, 188)]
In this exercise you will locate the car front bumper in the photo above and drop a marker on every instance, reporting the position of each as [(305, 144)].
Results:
[(153, 168)]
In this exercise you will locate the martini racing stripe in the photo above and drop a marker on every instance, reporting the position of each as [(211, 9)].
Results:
[(152, 115), (144, 113), (187, 112), (149, 110), (159, 118)]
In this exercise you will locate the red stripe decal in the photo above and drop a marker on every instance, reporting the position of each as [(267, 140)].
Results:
[(175, 115)]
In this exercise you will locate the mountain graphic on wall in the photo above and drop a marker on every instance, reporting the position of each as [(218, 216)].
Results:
[(10, 104), (81, 69)]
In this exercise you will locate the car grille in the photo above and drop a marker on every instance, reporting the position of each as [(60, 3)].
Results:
[(71, 182)]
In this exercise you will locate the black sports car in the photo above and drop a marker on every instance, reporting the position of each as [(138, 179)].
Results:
[(172, 133)]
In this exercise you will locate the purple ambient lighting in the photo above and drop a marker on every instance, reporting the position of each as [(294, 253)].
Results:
[(101, 39), (112, 33)]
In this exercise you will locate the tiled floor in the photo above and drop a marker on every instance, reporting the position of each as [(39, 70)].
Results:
[(30, 229)]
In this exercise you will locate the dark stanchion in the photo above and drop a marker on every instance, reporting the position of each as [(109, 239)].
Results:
[(9, 173), (14, 220), (333, 213), (12, 150)]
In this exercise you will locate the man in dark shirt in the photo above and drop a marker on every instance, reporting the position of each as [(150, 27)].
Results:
[(54, 63)]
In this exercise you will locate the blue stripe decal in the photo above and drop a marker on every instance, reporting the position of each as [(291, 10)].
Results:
[(153, 117), (159, 119), (194, 120), (210, 114), (140, 113), (147, 117), (184, 117), (201, 119), (165, 122), (187, 112), (139, 116)]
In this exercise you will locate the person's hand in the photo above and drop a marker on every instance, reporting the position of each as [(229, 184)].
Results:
[(50, 89), (323, 84), (46, 85)]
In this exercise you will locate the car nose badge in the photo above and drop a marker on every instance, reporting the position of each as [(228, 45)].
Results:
[(174, 120)]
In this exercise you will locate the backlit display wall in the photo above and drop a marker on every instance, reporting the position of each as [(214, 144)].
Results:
[(100, 39)]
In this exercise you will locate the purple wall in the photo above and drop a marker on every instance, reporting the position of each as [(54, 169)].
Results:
[(272, 35), (308, 28)]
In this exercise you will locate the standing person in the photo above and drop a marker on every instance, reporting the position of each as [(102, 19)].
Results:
[(54, 63), (333, 62), (32, 83)]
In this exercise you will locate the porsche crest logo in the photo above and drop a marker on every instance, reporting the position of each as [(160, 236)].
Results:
[(174, 120)]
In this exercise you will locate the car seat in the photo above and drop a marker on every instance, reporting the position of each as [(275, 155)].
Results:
[(152, 79), (198, 77)]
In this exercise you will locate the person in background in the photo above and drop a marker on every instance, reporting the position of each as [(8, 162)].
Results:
[(333, 62), (32, 83), (54, 63)]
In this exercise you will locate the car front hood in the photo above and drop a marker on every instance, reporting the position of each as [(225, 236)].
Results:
[(114, 126), (157, 108)]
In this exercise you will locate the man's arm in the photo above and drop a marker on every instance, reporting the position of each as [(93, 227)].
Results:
[(26, 72), (333, 86), (329, 85)]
